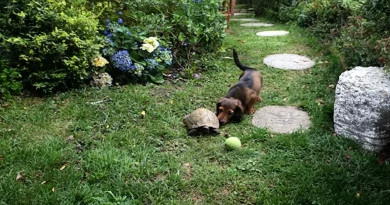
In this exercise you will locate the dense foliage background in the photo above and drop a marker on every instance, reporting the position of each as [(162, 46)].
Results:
[(358, 29), (50, 45)]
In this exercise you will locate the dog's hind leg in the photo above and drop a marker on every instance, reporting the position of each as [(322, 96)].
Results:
[(253, 99)]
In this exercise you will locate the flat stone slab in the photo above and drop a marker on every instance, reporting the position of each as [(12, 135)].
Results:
[(257, 24), (244, 19), (240, 11), (272, 33), (288, 61), (281, 119), (241, 14)]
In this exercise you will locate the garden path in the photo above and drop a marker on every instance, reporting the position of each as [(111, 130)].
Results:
[(279, 119)]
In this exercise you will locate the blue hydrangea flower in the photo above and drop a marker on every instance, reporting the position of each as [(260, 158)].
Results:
[(137, 69), (121, 60), (151, 63), (120, 21), (128, 32), (166, 55), (120, 13), (106, 32), (107, 21)]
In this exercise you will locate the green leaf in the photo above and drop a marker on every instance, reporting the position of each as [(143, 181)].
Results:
[(157, 79)]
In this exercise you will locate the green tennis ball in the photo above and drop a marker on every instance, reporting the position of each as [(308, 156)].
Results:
[(232, 143)]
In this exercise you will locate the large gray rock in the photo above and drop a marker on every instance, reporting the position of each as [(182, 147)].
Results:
[(362, 107)]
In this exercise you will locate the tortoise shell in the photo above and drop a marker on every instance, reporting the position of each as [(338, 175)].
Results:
[(201, 121)]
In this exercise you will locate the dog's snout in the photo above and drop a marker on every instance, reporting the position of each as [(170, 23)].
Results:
[(221, 121)]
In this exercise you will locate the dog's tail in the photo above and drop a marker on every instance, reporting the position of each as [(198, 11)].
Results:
[(238, 63)]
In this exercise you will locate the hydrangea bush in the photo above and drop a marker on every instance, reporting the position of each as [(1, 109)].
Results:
[(138, 57), (193, 28)]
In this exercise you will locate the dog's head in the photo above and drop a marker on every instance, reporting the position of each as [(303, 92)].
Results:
[(229, 109)]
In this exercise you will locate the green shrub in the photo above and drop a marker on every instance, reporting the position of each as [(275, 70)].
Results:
[(10, 80), (51, 43), (324, 17), (357, 43), (268, 8), (365, 41), (195, 27)]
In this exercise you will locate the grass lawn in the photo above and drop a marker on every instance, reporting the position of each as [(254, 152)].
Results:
[(92, 146)]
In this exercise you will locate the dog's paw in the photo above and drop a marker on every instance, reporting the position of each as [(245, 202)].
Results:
[(251, 111), (259, 99)]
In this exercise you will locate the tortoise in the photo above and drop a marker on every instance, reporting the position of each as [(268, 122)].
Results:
[(201, 121)]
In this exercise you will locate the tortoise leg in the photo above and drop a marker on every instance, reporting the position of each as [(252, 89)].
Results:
[(193, 132)]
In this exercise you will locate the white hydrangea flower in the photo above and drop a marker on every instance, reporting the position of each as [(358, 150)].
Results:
[(147, 47), (99, 62), (150, 44)]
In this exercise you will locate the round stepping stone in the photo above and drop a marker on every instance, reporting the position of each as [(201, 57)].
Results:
[(288, 61), (281, 119), (244, 19), (241, 14), (240, 10), (272, 33), (256, 24)]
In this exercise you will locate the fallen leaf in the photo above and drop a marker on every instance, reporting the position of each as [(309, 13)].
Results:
[(19, 176), (320, 102), (44, 182), (63, 166), (285, 99), (331, 86), (53, 189), (70, 138), (243, 41), (348, 157), (357, 195), (171, 102), (225, 192), (326, 62), (143, 113), (25, 108)]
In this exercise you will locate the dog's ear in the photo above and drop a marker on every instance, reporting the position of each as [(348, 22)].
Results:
[(239, 111), (219, 105)]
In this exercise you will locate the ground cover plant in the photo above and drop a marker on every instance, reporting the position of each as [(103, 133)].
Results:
[(127, 144)]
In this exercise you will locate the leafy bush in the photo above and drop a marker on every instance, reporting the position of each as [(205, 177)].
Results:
[(9, 80), (324, 17), (357, 44), (366, 38), (50, 43), (196, 28), (268, 8)]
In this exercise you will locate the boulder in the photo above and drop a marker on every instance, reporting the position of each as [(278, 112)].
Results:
[(362, 107)]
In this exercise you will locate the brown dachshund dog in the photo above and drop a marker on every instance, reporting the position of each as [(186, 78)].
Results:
[(242, 96)]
